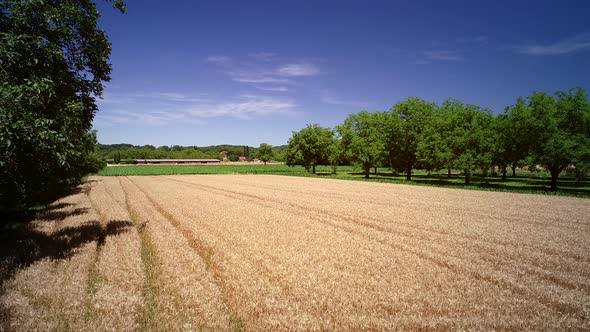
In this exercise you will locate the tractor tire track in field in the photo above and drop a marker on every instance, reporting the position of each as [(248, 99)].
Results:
[(478, 243), (203, 250), (498, 280), (497, 257), (273, 278), (576, 225), (557, 254), (151, 271), (275, 253)]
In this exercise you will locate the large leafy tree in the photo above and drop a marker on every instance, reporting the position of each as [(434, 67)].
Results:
[(565, 135), (53, 62), (309, 147), (410, 118), (459, 136), (363, 138), (515, 136), (265, 152)]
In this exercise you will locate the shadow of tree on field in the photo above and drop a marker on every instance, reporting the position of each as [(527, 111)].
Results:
[(22, 245), (22, 242), (516, 184)]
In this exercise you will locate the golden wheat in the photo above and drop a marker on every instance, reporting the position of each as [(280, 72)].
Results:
[(283, 253)]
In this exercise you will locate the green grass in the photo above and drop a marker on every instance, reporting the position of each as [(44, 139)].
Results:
[(523, 182), (213, 169)]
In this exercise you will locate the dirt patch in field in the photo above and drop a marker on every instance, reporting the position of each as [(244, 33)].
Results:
[(254, 252)]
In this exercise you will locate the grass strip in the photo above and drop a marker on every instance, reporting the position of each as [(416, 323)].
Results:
[(151, 270), (205, 252)]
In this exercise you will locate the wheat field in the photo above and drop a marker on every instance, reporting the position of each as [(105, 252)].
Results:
[(273, 253)]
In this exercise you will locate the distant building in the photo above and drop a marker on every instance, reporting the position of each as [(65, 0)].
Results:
[(242, 158), (177, 161)]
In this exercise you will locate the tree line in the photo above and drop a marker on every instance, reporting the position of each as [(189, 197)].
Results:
[(541, 130), (53, 63), (127, 152)]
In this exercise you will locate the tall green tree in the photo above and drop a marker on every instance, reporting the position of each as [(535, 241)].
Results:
[(459, 135), (265, 152), (515, 136), (565, 135), (309, 147), (336, 154), (54, 61), (363, 139), (410, 118)]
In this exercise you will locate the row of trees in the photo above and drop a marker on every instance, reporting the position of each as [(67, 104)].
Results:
[(550, 131), (124, 152), (53, 62)]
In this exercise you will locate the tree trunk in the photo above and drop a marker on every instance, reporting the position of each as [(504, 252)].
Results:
[(449, 174), (554, 176), (467, 177), (409, 171), (504, 171), (375, 170), (313, 168), (513, 170), (367, 170), (265, 162)]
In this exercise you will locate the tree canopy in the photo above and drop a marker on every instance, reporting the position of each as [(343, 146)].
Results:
[(265, 152), (409, 118), (54, 60), (309, 147), (362, 137), (459, 136)]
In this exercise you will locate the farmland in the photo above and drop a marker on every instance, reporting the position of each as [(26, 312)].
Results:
[(244, 252), (524, 181)]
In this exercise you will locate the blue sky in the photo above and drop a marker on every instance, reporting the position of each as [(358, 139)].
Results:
[(247, 72)]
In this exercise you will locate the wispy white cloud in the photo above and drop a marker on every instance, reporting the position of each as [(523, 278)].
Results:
[(258, 79), (428, 57), (272, 88), (334, 100), (137, 108), (245, 107), (261, 69), (218, 59), (443, 55), (150, 117), (173, 96), (565, 46), (421, 62), (480, 40), (263, 56), (298, 69)]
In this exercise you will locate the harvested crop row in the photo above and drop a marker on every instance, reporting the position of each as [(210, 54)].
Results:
[(573, 275), (282, 253), (50, 291), (119, 274), (427, 224), (187, 296), (341, 275)]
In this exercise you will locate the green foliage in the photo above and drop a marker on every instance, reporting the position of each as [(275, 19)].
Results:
[(362, 139), (309, 147), (265, 152), (563, 137), (408, 120), (459, 136), (117, 157), (515, 136), (233, 152), (54, 60), (336, 154), (213, 169)]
